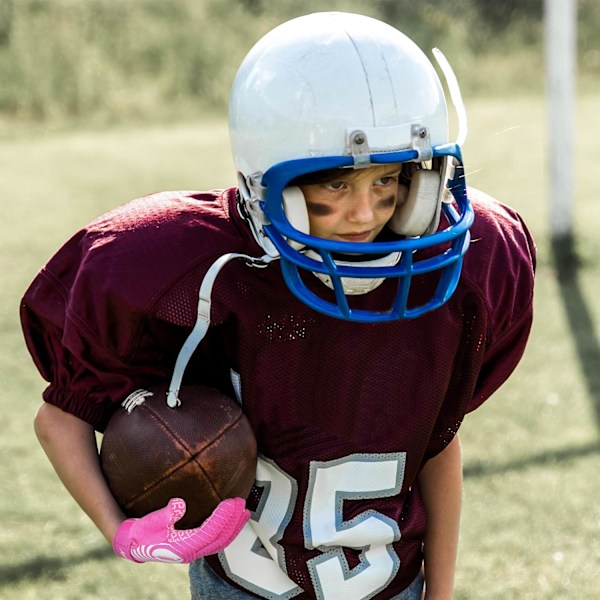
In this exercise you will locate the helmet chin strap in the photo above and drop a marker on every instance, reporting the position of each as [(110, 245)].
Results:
[(248, 208), (203, 319), (455, 95)]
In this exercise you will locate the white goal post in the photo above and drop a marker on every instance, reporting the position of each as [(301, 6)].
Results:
[(560, 18)]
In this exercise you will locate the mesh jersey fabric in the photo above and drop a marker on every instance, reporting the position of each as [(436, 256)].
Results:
[(326, 398)]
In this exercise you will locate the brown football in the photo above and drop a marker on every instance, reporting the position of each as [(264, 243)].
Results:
[(203, 451)]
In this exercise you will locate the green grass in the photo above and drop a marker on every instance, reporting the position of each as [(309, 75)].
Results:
[(531, 519)]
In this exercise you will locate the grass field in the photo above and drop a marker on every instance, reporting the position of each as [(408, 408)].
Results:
[(531, 519)]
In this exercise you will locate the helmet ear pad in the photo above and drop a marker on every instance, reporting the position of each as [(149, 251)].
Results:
[(294, 206), (419, 213)]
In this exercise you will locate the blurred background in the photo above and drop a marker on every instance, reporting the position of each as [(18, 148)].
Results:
[(102, 101), (102, 61)]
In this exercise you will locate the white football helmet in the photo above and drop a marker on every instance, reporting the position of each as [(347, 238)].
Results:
[(332, 90)]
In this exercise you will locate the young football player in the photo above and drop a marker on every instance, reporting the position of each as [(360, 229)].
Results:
[(351, 292)]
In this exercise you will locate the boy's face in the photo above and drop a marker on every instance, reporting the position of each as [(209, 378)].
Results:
[(355, 205)]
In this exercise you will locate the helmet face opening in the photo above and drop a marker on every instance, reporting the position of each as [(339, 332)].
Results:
[(300, 252)]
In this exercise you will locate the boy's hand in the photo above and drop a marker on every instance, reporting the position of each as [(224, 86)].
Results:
[(154, 537)]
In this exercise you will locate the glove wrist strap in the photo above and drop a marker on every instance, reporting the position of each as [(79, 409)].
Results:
[(122, 541)]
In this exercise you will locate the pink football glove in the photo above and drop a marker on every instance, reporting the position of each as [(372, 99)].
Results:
[(154, 537)]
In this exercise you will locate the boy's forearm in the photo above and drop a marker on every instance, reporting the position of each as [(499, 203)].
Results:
[(70, 445), (441, 487)]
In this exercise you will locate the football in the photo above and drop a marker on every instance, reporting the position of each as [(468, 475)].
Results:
[(203, 451)]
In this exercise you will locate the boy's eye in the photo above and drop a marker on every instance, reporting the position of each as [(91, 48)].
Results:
[(335, 185), (387, 180)]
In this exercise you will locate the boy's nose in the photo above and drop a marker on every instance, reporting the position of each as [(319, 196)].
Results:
[(361, 209)]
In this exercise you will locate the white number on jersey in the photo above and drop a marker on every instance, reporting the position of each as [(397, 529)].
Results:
[(256, 561)]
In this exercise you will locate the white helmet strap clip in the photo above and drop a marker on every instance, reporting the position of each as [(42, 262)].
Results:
[(358, 147), (421, 142)]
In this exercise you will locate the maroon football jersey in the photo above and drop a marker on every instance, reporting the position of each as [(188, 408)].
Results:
[(345, 414)]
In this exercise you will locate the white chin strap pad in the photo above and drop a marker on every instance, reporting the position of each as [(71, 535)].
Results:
[(420, 213), (356, 286)]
